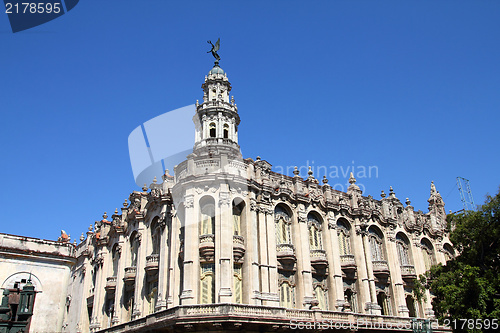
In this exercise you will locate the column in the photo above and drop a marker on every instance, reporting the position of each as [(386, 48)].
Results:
[(272, 258), (224, 247), (336, 285), (251, 281), (364, 298), (372, 308), (99, 292), (119, 282), (161, 304), (174, 274), (305, 259), (138, 309), (396, 278), (191, 269), (263, 259)]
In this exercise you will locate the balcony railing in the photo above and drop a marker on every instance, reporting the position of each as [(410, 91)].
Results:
[(318, 258), (207, 247), (196, 317), (208, 238), (347, 261), (408, 272), (238, 247), (380, 267), (110, 283), (152, 264), (130, 273)]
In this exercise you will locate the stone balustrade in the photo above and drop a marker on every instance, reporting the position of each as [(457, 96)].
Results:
[(318, 258), (152, 264), (408, 272), (110, 283), (347, 261), (207, 247), (130, 273), (380, 267), (256, 318)]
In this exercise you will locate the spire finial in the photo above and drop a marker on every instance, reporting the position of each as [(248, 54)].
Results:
[(325, 180), (155, 180), (382, 194), (352, 180), (392, 194), (296, 171), (433, 187)]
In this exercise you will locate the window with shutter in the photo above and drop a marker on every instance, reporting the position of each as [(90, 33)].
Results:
[(238, 284), (207, 284)]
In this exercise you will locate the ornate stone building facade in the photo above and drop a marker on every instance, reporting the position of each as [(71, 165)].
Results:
[(227, 241)]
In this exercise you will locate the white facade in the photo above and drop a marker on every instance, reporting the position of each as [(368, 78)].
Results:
[(49, 265), (229, 230)]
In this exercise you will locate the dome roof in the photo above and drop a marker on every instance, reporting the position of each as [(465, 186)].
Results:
[(216, 70)]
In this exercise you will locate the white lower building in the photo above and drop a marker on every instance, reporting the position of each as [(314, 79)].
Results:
[(48, 264)]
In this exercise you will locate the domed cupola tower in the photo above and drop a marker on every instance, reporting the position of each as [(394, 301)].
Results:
[(217, 117)]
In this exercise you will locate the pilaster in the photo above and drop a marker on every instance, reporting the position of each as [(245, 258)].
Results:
[(191, 253), (336, 287), (360, 253), (396, 278), (305, 258), (224, 244)]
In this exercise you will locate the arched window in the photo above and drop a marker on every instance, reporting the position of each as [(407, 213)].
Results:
[(449, 253), (320, 291), (237, 219), (287, 295), (207, 226), (115, 257), (207, 281), (402, 247), (350, 298), (343, 232), (410, 304), (109, 308), (383, 302), (226, 131), (376, 246), (152, 295), (134, 249), (283, 224), (315, 241), (428, 253), (238, 283), (213, 130), (155, 235)]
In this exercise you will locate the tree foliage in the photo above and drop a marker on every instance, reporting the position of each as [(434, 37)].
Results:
[(468, 286)]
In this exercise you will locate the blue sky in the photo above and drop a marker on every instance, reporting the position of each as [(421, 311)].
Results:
[(411, 87)]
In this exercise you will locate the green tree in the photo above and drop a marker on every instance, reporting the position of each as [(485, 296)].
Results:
[(468, 286)]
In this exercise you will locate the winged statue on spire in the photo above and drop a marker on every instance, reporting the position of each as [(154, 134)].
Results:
[(214, 49)]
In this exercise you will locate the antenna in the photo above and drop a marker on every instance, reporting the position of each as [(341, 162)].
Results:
[(466, 194)]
